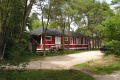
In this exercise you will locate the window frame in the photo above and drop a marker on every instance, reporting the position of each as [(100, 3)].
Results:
[(49, 37)]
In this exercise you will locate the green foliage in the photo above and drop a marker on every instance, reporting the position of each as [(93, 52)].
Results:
[(53, 25), (112, 28), (44, 75), (95, 12), (115, 1), (33, 22), (36, 24), (13, 29), (17, 53), (111, 32), (113, 47)]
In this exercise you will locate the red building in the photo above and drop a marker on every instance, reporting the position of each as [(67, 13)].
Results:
[(54, 37)]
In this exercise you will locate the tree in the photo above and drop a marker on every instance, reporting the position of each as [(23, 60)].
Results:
[(93, 13), (70, 12), (115, 1), (33, 21), (45, 14), (111, 33), (13, 16), (53, 25)]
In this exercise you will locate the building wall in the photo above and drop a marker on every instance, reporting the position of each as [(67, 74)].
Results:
[(48, 44)]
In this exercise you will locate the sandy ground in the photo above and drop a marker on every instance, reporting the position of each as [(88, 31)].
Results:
[(113, 76), (64, 62)]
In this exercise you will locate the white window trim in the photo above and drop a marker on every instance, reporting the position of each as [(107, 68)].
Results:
[(50, 38)]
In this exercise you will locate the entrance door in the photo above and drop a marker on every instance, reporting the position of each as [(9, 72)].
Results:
[(58, 42)]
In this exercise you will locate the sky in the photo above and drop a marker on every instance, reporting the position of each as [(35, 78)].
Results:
[(108, 1)]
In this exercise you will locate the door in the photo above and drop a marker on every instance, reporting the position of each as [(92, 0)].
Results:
[(58, 42)]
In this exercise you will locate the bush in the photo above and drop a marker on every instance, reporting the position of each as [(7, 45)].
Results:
[(113, 47), (17, 56), (17, 51)]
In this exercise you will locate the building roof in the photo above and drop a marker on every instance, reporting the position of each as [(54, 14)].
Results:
[(53, 31), (39, 31)]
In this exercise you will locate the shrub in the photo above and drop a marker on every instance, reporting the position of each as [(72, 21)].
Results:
[(113, 47), (17, 51)]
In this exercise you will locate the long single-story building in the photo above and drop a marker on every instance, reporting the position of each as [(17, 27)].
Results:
[(54, 38)]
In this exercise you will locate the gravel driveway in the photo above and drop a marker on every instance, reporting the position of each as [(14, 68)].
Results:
[(64, 62)]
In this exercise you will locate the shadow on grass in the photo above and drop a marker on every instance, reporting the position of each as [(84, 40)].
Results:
[(43, 75)]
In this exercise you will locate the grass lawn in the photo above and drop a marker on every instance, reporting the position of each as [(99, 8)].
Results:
[(44, 75), (102, 66)]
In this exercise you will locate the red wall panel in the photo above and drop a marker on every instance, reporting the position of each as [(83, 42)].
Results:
[(52, 43)]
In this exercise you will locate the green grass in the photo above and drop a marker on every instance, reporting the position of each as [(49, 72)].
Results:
[(44, 75), (103, 66)]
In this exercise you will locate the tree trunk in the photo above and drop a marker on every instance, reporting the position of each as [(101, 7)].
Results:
[(92, 42), (45, 28), (68, 34), (95, 43), (30, 47), (1, 35), (63, 40), (44, 53), (3, 52), (26, 13), (89, 45)]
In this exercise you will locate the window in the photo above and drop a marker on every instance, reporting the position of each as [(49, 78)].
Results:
[(75, 40), (84, 40), (71, 40), (48, 38), (79, 40), (65, 38)]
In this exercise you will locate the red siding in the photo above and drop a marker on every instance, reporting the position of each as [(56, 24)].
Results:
[(52, 43), (49, 42)]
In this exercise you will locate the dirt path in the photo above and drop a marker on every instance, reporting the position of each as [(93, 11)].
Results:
[(113, 76), (64, 62)]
